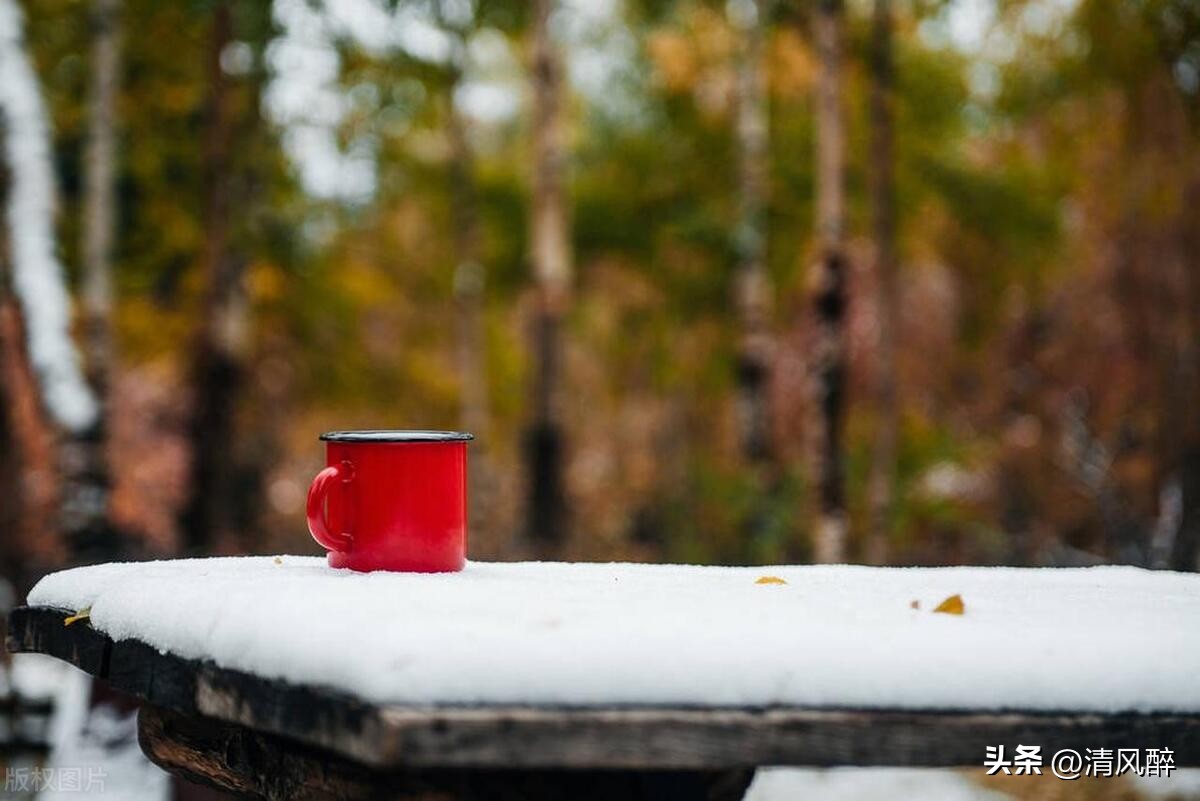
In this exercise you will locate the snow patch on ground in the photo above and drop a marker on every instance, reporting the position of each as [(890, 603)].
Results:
[(103, 751), (866, 784), (36, 677), (94, 751), (1097, 639), (945, 784), (1181, 784)]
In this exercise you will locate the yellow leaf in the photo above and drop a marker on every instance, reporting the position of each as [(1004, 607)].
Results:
[(951, 606), (770, 580), (278, 561), (82, 614)]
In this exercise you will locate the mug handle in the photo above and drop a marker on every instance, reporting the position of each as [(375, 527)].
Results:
[(316, 507)]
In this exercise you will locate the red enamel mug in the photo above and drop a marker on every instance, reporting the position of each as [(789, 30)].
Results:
[(392, 500)]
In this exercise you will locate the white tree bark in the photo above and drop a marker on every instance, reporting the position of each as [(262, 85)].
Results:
[(550, 229), (37, 275), (828, 296), (550, 242), (99, 181), (752, 289)]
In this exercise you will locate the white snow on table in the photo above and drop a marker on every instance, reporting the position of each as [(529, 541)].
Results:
[(1091, 639)]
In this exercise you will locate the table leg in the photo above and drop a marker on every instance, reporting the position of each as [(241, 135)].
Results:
[(256, 765)]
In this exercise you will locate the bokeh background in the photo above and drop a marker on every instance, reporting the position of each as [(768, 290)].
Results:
[(692, 311)]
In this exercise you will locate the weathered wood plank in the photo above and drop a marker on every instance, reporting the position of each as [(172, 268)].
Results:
[(636, 738), (42, 631), (236, 759)]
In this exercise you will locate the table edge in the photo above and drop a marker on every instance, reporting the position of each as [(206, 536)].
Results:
[(553, 736)]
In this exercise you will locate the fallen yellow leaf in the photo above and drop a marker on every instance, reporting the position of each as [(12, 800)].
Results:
[(770, 580), (951, 606), (278, 561), (82, 614)]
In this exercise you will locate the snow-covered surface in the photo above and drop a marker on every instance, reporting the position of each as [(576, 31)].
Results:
[(1088, 639), (37, 275), (867, 784)]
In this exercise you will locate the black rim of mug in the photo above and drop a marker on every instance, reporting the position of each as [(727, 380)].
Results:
[(381, 435)]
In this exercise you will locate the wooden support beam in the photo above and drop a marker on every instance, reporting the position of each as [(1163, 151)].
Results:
[(239, 760)]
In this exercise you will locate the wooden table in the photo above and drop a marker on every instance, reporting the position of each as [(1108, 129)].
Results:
[(272, 739)]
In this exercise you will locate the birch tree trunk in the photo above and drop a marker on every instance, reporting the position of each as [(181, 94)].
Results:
[(752, 293), (552, 268), (37, 276), (87, 478), (887, 413), (99, 212), (469, 285), (39, 285), (827, 298), (217, 370)]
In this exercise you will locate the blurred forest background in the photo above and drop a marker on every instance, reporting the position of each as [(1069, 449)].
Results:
[(897, 281)]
